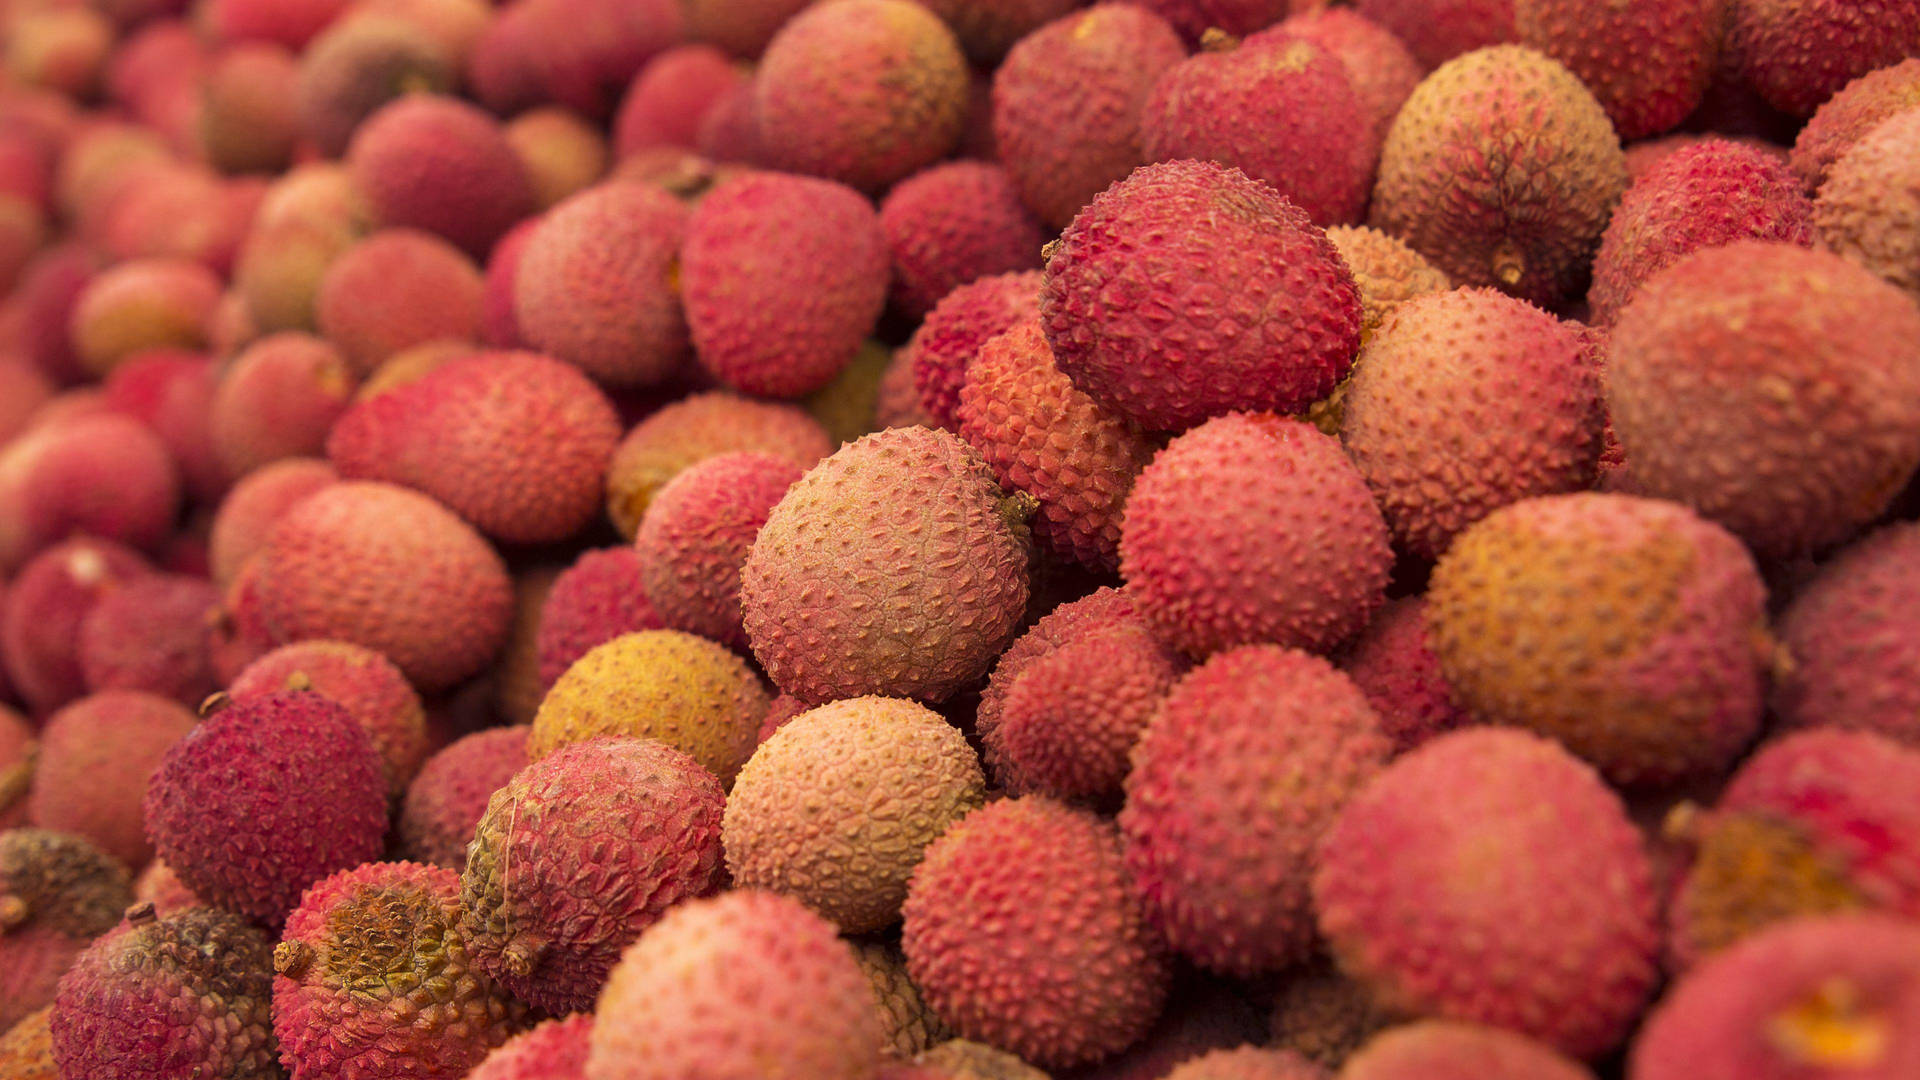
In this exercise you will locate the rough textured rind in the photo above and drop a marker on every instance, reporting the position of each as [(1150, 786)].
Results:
[(578, 854), (180, 998), (861, 91), (783, 277), (1773, 389), (1648, 62), (1436, 31), (390, 570), (600, 597), (1439, 1050), (911, 1027), (696, 537), (555, 1050), (1387, 272), (1022, 931), (1393, 664), (1380, 69), (94, 760), (221, 813), (595, 285), (1846, 116), (1464, 402), (1490, 876), (952, 224), (1700, 196), (46, 603), (1869, 208), (1449, 187), (951, 335), (682, 690), (396, 289), (746, 986), (1189, 291), (277, 400), (365, 683), (896, 567), (1254, 528), (1852, 641), (1280, 109), (447, 800), (696, 428), (1067, 100), (443, 166), (57, 893), (151, 635), (1799, 54), (1245, 764), (1816, 997), (799, 823), (26, 1049)]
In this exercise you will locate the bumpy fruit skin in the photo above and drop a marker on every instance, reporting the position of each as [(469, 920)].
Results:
[(46, 604), (57, 893), (795, 825), (782, 277), (1023, 931), (1251, 307), (151, 635), (1869, 208), (1387, 271), (1439, 1050), (895, 567), (1241, 770), (1253, 528), (441, 165), (365, 683), (1436, 31), (1043, 436), (26, 1049), (953, 224), (390, 570), (1248, 1063), (1488, 851), (746, 986), (696, 428), (1393, 664), (600, 597), (861, 91), (555, 1050), (1449, 187), (1848, 115), (373, 980), (516, 443), (447, 800), (98, 474), (1067, 99), (1700, 196), (1648, 62), (911, 1026), (278, 400), (396, 289), (1282, 110), (1799, 54), (1853, 643), (578, 854), (1380, 69), (1819, 821), (1467, 401), (595, 284), (681, 690), (94, 760), (1773, 389), (952, 334), (179, 998), (696, 537)]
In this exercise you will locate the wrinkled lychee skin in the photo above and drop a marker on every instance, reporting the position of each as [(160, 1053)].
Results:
[(58, 892), (179, 998), (1799, 55), (953, 224), (696, 537), (578, 854), (1852, 643), (366, 684), (951, 335), (1378, 65), (600, 597), (373, 980), (225, 815), (1648, 62), (919, 614), (554, 1050), (92, 766), (911, 1025), (26, 1049), (447, 800), (1442, 1050), (1846, 116), (1868, 208), (1251, 306), (1392, 662)]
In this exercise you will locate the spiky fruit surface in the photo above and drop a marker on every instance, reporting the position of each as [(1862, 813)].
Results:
[(953, 224), (142, 304), (682, 690), (392, 571), (1773, 389), (1863, 105), (795, 825), (1852, 645), (45, 607), (57, 893), (746, 986), (911, 1027), (933, 592), (1648, 62), (95, 758), (247, 514), (696, 428), (278, 399), (595, 285), (1436, 31), (1324, 1016), (365, 683), (396, 289), (1701, 196), (373, 979), (1379, 68), (357, 67), (1248, 1063), (783, 277), (555, 1050), (1869, 208), (449, 797), (99, 474), (1393, 664), (1387, 271), (861, 91), (1066, 102), (151, 635), (442, 166), (1816, 822), (600, 597), (1439, 1050), (221, 812), (1448, 187), (1798, 55), (1241, 770), (1043, 436), (1282, 110), (954, 331), (1023, 931), (1493, 850), (26, 1049), (1253, 528), (696, 537), (1467, 401)]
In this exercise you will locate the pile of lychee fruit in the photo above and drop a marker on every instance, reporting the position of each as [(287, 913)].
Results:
[(959, 540)]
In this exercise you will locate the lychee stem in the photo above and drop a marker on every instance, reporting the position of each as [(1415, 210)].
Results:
[(292, 958)]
